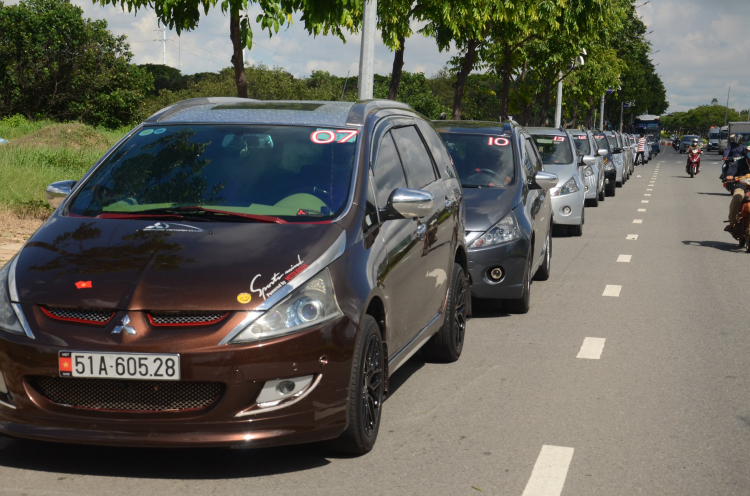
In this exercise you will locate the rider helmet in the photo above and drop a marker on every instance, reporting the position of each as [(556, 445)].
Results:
[(695, 141), (738, 138), (733, 138)]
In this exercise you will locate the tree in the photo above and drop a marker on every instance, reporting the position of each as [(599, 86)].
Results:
[(714, 101), (56, 64)]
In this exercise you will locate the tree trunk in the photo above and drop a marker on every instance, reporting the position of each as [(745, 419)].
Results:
[(463, 73), (398, 65), (505, 90), (239, 67)]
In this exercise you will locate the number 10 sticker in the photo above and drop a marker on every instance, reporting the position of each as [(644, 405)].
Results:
[(323, 136), (498, 141)]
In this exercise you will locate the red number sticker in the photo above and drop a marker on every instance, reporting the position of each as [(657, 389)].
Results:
[(498, 141), (323, 136), (559, 138)]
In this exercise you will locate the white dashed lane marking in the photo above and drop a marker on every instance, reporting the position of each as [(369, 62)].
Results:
[(624, 258), (637, 221), (632, 236), (644, 201), (647, 194), (612, 290), (641, 209), (592, 348), (550, 471)]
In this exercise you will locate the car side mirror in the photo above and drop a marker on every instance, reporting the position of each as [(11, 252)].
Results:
[(407, 203), (589, 160), (617, 150), (57, 192), (603, 152), (543, 180)]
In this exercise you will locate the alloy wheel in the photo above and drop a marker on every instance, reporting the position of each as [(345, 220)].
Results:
[(372, 390), (459, 314)]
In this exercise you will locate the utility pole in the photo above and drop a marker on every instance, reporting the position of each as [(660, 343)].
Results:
[(367, 50), (163, 42), (601, 112), (622, 107), (558, 107), (726, 114)]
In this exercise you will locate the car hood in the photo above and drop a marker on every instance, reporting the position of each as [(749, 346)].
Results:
[(143, 265), (486, 206), (563, 172)]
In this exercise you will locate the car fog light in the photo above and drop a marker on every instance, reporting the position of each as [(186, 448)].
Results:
[(586, 188), (496, 273), (285, 387), (566, 210), (606, 181), (275, 391), (3, 385)]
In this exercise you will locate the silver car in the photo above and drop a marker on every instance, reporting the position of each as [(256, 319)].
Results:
[(560, 157), (618, 157), (593, 170), (629, 148)]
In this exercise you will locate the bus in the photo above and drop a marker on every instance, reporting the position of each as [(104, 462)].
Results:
[(650, 125)]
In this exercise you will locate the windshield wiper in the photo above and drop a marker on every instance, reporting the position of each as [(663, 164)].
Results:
[(200, 213)]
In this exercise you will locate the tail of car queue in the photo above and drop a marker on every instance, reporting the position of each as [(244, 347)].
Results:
[(247, 274)]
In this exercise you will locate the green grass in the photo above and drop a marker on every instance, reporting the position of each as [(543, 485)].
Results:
[(39, 153)]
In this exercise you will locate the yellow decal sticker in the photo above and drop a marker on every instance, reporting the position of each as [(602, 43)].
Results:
[(244, 298)]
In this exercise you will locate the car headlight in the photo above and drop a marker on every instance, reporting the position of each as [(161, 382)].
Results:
[(588, 171), (610, 166), (309, 305), (569, 187), (503, 232), (9, 319)]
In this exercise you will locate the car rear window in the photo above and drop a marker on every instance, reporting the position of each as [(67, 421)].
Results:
[(481, 160), (293, 172), (554, 149)]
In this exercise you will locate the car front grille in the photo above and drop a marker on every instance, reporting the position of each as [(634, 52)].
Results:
[(186, 319), (128, 396), (81, 315)]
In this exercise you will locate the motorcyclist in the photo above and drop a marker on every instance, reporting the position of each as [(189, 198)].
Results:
[(697, 147), (739, 168), (734, 150)]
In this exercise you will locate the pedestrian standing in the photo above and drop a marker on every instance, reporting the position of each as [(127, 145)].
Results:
[(641, 150)]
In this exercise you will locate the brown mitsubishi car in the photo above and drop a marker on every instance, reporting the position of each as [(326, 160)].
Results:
[(237, 273)]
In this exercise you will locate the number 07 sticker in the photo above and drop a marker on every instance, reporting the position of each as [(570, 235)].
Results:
[(324, 136)]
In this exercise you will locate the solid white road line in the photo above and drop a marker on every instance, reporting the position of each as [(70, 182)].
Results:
[(632, 236), (612, 290), (637, 221), (624, 258), (641, 209), (592, 348), (550, 471)]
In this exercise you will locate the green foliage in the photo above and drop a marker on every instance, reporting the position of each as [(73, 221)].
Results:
[(699, 120), (414, 91), (54, 64)]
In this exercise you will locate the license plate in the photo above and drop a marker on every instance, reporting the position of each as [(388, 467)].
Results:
[(120, 366)]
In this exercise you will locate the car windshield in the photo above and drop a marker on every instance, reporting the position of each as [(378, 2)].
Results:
[(724, 134), (582, 144), (601, 142), (553, 149), (481, 160), (289, 172), (688, 139), (612, 142), (713, 136)]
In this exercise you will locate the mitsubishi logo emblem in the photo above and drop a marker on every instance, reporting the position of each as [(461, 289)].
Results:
[(125, 325)]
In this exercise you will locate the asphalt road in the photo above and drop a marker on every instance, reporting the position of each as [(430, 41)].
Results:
[(663, 408)]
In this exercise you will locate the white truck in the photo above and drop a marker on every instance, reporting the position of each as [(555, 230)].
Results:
[(742, 128)]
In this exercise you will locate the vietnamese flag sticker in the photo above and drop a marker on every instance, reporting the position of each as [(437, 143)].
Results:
[(84, 284), (66, 364)]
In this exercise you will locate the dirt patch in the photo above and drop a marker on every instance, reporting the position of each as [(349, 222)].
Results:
[(14, 231), (72, 136)]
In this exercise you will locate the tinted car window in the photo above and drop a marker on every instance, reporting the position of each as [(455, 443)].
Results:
[(535, 160), (414, 156), (601, 141), (554, 149), (387, 172), (481, 160), (582, 144), (438, 150), (371, 210), (293, 172), (612, 142)]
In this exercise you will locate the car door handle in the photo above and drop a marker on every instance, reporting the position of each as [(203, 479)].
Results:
[(421, 231)]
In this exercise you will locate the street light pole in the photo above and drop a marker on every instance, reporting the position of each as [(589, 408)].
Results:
[(601, 117), (622, 107), (726, 114), (367, 50), (558, 107)]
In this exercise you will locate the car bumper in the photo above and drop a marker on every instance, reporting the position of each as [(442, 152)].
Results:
[(233, 419), (573, 202), (511, 258), (610, 176)]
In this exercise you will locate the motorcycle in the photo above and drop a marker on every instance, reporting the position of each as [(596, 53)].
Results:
[(741, 231), (676, 144), (694, 162), (728, 161)]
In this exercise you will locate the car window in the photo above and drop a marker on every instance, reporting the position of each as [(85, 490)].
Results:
[(527, 157), (481, 160), (612, 142), (293, 172), (414, 156), (535, 160), (371, 209), (601, 141), (438, 149), (553, 149), (582, 144), (387, 171)]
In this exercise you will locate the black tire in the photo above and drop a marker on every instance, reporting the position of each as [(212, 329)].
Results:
[(691, 173), (521, 305), (365, 402), (593, 202), (447, 344), (543, 272), (612, 192), (602, 194), (575, 230), (618, 184)]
